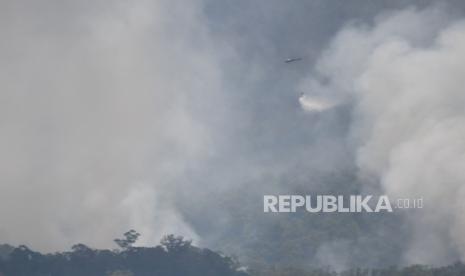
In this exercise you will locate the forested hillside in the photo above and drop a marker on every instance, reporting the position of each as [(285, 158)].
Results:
[(175, 256)]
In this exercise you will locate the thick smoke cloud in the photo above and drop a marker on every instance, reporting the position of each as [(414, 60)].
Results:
[(177, 118), (100, 110), (404, 78)]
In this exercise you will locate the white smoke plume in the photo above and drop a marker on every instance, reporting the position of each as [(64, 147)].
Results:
[(99, 112), (404, 77), (144, 114)]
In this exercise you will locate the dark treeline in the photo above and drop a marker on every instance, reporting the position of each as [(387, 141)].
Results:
[(175, 256), (457, 269)]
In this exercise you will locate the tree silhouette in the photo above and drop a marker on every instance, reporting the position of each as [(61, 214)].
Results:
[(130, 238), (173, 243)]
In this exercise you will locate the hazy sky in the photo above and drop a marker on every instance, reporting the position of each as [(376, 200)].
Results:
[(162, 116)]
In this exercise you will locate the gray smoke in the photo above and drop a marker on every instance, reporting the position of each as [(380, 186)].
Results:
[(100, 111), (404, 78), (176, 118)]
